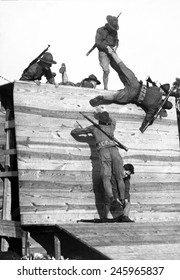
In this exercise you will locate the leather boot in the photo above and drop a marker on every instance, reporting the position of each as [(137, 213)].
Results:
[(96, 101)]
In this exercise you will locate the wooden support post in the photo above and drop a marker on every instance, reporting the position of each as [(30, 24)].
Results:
[(26, 244), (57, 247), (6, 208)]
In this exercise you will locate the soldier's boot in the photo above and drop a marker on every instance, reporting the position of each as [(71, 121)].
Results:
[(63, 68), (96, 101), (125, 219)]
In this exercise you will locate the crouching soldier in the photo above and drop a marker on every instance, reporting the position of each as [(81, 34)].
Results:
[(128, 170), (39, 69)]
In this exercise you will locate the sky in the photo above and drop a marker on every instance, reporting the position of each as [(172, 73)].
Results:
[(149, 40)]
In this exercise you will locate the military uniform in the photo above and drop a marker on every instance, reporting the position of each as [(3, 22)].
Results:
[(39, 69), (35, 72), (148, 98), (106, 36), (109, 159)]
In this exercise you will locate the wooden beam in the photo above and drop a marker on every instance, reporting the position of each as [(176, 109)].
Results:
[(10, 229), (57, 247), (9, 124), (7, 174), (7, 199), (8, 152)]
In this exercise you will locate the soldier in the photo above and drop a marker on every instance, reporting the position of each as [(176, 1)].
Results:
[(107, 36), (148, 98), (39, 69), (90, 82), (109, 158), (128, 170)]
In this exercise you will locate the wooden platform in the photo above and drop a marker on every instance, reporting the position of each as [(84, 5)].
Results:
[(130, 241)]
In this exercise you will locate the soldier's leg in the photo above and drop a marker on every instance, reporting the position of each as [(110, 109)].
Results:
[(118, 172), (104, 61), (105, 173), (126, 75)]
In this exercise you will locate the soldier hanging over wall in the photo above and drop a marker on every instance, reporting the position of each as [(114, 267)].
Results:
[(148, 98)]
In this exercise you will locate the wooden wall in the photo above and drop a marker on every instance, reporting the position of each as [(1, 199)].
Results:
[(2, 144), (59, 175)]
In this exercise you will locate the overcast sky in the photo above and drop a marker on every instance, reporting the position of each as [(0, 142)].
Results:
[(149, 40)]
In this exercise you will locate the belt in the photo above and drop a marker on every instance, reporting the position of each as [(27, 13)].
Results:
[(142, 94), (105, 143)]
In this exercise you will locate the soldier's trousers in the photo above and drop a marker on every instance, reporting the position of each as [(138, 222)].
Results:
[(111, 163)]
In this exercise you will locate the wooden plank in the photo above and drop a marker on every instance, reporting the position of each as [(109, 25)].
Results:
[(79, 177), (8, 174), (57, 247), (9, 124), (142, 252), (54, 216), (8, 152), (10, 229), (7, 199)]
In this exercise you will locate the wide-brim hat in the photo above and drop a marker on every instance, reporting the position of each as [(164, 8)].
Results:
[(129, 167), (113, 22), (165, 87), (103, 117), (48, 58), (167, 105), (92, 78)]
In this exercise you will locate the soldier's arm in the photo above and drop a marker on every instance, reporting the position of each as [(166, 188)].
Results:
[(49, 76), (79, 131), (100, 36)]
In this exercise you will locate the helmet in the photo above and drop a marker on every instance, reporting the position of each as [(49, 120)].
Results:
[(48, 58)]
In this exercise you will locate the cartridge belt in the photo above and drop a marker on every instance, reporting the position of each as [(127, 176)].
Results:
[(142, 94), (104, 143)]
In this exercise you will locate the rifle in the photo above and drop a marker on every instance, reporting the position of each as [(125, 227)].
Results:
[(148, 80), (118, 144), (94, 46), (36, 59), (158, 111)]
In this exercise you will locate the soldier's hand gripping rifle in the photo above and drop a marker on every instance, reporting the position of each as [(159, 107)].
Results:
[(36, 59), (94, 46), (142, 129), (118, 144)]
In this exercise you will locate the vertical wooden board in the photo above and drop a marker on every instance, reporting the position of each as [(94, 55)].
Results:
[(44, 118)]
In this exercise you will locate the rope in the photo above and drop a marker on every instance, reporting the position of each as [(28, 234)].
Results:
[(5, 79)]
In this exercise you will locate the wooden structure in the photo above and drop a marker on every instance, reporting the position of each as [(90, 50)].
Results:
[(58, 176)]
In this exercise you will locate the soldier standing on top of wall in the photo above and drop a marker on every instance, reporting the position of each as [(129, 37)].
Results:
[(107, 36), (109, 158)]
